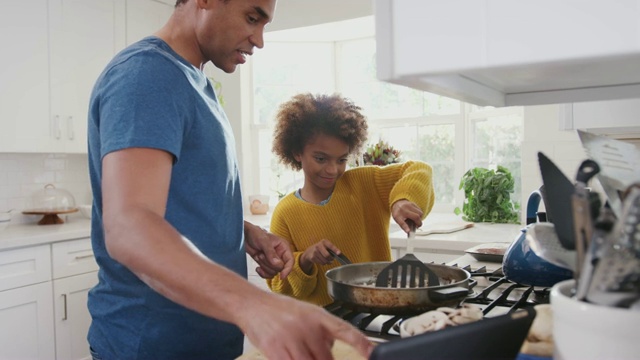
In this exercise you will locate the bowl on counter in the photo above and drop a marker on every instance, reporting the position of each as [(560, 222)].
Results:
[(582, 330), (259, 204)]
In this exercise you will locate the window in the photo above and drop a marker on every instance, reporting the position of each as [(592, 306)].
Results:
[(450, 135)]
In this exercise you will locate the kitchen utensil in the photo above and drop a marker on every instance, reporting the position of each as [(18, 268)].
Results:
[(544, 242), (498, 337), (408, 269), (580, 204), (589, 331), (599, 240), (616, 280), (443, 228), (544, 216), (342, 258), (490, 252), (354, 285), (50, 202), (523, 266), (619, 165), (558, 189)]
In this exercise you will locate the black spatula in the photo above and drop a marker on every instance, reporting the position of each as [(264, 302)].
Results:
[(559, 191), (409, 269)]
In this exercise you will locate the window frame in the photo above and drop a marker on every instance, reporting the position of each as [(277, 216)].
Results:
[(463, 141)]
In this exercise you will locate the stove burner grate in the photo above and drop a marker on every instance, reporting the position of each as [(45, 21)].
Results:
[(492, 291)]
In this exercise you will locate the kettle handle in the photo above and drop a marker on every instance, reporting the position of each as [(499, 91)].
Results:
[(532, 206)]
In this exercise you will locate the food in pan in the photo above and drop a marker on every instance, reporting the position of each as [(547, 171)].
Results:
[(439, 319)]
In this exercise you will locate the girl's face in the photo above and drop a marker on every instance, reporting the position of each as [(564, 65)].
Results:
[(324, 160)]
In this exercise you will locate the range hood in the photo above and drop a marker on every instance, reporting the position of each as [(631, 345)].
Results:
[(505, 52)]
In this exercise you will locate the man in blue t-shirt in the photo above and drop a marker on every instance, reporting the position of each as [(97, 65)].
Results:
[(167, 229)]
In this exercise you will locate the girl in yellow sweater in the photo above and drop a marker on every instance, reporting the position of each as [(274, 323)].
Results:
[(347, 211)]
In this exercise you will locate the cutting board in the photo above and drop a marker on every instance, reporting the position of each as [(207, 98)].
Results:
[(443, 228)]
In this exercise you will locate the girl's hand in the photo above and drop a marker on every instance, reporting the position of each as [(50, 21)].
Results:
[(317, 254), (403, 210)]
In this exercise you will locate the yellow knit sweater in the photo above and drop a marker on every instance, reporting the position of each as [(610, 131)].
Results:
[(356, 220)]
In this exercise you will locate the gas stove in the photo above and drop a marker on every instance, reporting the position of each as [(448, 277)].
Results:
[(489, 290)]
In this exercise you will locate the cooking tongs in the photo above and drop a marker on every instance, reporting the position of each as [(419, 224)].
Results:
[(342, 258)]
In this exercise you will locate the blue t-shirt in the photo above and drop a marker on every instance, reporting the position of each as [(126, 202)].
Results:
[(149, 96)]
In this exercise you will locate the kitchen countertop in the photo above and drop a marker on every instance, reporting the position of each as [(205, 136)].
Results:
[(456, 241), (30, 234), (20, 235)]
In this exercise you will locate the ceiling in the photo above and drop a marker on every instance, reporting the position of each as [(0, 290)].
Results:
[(334, 31), (291, 14)]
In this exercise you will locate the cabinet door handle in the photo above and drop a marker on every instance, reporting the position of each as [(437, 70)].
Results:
[(80, 257), (64, 301), (56, 127), (70, 133)]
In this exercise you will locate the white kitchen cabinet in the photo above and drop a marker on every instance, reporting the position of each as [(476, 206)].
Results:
[(26, 323), (43, 300), (24, 77), (26, 304), (145, 17), (85, 35), (504, 52), (619, 118), (55, 50), (74, 272), (72, 318)]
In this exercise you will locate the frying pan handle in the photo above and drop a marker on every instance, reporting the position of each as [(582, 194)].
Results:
[(449, 293)]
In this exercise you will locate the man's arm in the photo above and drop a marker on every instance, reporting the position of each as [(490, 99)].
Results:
[(135, 186)]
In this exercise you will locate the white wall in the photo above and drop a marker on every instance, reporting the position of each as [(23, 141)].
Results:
[(237, 88), (542, 133), (23, 174)]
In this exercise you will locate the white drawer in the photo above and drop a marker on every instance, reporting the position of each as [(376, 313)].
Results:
[(72, 258), (26, 266)]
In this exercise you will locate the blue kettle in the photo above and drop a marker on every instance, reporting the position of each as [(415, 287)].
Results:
[(520, 263)]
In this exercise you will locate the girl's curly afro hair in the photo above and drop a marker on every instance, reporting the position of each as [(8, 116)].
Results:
[(305, 115)]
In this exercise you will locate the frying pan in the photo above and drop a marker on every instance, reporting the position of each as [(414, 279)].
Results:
[(354, 286)]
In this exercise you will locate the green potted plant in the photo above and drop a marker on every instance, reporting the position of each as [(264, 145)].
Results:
[(487, 196)]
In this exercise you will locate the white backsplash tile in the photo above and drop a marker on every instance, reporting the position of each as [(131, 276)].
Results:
[(23, 174)]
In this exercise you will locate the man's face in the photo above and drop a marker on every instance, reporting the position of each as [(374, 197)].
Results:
[(228, 31)]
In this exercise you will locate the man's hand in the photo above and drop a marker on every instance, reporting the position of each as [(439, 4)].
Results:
[(271, 252), (403, 210), (284, 328)]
